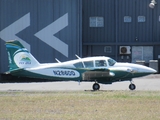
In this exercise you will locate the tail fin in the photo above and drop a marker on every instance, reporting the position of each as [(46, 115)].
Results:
[(19, 56)]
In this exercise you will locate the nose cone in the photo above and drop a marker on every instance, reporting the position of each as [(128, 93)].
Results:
[(151, 70), (143, 71), (147, 70)]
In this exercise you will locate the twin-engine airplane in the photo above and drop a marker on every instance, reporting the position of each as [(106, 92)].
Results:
[(98, 69)]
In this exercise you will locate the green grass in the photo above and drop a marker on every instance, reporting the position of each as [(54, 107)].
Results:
[(80, 105)]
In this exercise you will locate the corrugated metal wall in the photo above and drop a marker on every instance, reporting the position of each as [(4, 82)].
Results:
[(50, 28), (99, 8), (126, 22), (115, 29), (40, 22)]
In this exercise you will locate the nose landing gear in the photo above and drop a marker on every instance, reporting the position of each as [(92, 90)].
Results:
[(132, 86)]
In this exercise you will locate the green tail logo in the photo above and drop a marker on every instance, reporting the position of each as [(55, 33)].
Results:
[(19, 56)]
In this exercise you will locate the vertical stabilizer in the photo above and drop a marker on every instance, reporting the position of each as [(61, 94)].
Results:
[(19, 56)]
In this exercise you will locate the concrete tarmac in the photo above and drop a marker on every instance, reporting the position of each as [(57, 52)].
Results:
[(149, 83)]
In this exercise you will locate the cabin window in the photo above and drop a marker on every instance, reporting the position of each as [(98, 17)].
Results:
[(88, 64), (83, 64), (100, 63), (79, 65)]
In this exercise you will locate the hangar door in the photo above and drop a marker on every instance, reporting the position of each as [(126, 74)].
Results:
[(134, 18), (142, 53)]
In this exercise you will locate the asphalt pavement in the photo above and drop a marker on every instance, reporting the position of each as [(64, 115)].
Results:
[(149, 83)]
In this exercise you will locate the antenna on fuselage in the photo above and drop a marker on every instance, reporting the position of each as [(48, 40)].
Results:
[(78, 56), (57, 60)]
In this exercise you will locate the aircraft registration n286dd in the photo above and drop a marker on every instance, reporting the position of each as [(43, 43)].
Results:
[(98, 69)]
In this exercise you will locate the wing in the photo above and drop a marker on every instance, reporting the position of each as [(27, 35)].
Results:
[(97, 73)]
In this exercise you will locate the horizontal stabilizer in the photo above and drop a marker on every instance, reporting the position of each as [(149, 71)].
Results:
[(14, 71)]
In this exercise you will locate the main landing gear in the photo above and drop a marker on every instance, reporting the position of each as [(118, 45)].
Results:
[(96, 86), (132, 86)]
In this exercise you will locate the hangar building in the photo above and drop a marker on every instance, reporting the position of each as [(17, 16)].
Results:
[(126, 30)]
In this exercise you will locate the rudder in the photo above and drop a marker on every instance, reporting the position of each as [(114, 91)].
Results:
[(19, 56)]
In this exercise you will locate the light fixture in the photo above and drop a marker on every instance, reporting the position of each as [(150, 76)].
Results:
[(152, 4)]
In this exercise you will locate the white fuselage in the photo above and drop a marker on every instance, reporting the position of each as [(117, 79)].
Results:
[(52, 69)]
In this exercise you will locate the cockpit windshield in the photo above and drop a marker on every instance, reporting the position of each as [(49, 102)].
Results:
[(111, 62)]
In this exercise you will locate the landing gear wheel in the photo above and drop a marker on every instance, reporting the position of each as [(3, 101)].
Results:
[(132, 86), (96, 86)]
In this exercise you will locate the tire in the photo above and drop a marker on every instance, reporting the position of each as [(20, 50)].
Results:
[(132, 87), (96, 86)]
